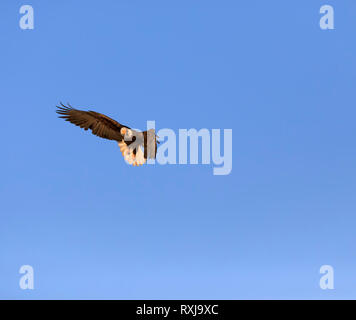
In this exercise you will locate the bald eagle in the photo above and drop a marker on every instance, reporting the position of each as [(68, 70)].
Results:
[(131, 142)]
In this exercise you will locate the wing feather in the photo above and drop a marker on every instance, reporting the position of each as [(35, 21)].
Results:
[(100, 124)]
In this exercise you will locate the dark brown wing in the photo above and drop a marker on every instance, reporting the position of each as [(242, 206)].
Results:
[(100, 124)]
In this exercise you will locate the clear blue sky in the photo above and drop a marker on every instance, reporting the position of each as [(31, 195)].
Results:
[(93, 227)]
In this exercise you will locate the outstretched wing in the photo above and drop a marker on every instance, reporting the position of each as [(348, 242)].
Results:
[(100, 124)]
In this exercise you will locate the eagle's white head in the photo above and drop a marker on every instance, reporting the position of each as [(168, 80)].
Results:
[(127, 133)]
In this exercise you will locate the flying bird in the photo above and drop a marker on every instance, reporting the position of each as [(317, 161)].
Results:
[(131, 142)]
